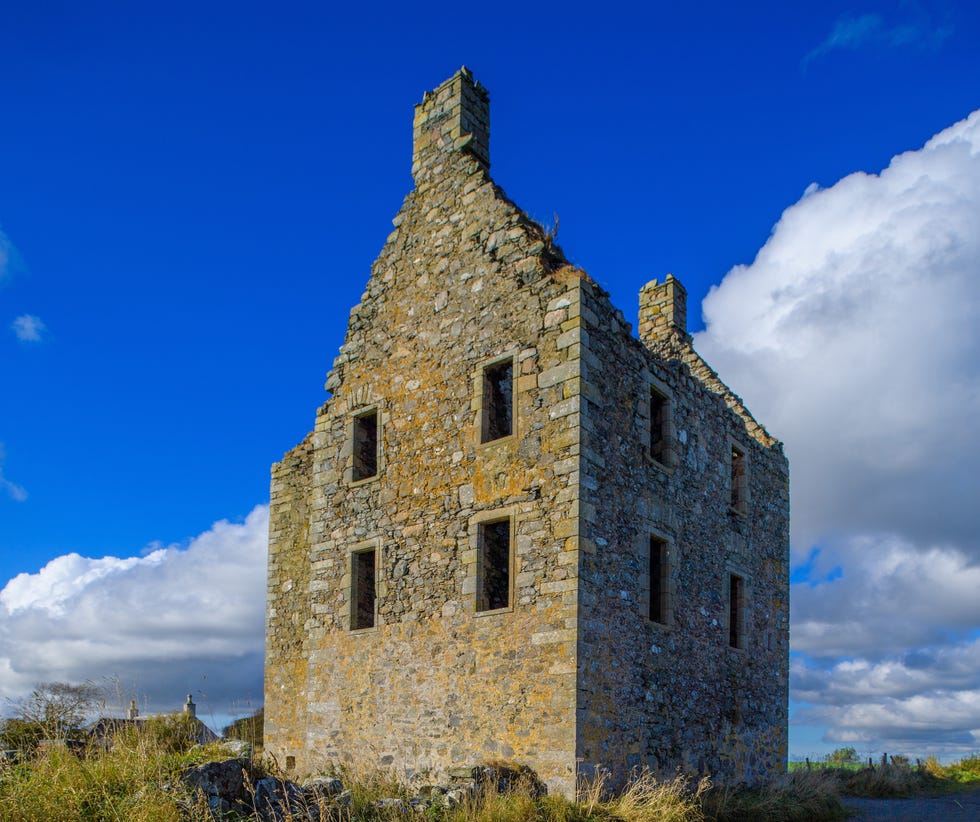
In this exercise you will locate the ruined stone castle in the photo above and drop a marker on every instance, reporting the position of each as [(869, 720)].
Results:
[(517, 531)]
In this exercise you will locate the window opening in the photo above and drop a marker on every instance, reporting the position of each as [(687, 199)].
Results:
[(738, 479), (365, 445), (498, 401), (493, 573), (659, 407), (736, 605), (658, 580), (363, 595)]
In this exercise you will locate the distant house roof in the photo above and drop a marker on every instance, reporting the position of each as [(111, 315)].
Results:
[(105, 728)]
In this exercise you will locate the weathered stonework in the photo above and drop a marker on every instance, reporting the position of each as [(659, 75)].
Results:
[(571, 673)]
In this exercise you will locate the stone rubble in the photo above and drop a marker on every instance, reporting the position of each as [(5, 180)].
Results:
[(230, 792)]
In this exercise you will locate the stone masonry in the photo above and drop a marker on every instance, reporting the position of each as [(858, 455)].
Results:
[(516, 531)]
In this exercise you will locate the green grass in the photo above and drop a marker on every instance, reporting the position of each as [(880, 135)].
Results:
[(898, 778), (827, 766), (133, 782), (138, 781)]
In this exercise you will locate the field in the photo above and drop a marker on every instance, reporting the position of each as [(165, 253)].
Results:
[(898, 777)]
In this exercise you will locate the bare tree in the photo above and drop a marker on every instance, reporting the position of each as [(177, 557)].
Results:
[(57, 710)]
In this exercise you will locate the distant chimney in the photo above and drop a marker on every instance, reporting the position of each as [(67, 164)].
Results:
[(133, 711), (663, 310), (190, 709), (454, 117)]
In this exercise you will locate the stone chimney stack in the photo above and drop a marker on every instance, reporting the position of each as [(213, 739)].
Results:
[(663, 310), (454, 117), (133, 711), (190, 709)]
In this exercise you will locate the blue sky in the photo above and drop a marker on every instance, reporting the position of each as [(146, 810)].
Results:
[(190, 201)]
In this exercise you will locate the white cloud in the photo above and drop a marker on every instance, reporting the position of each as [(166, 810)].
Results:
[(890, 655), (17, 492), (922, 703), (28, 328), (891, 595), (174, 621), (6, 255), (851, 32), (855, 336)]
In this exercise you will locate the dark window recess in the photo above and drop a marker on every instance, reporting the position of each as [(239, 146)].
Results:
[(498, 401), (363, 595), (658, 580), (365, 445), (736, 606), (738, 479), (659, 406), (494, 570)]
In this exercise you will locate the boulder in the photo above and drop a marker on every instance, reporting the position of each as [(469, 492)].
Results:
[(223, 779), (323, 786), (279, 799)]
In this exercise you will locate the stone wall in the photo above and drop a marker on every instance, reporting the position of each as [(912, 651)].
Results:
[(675, 693), (572, 673), (464, 280), (287, 597)]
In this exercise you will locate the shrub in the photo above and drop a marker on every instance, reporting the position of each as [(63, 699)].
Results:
[(842, 756), (53, 710)]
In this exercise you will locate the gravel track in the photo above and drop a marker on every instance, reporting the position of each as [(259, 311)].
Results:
[(961, 807)]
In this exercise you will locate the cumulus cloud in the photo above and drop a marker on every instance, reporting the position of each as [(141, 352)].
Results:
[(851, 32), (854, 336), (16, 492), (890, 596), (174, 621), (28, 328), (923, 703)]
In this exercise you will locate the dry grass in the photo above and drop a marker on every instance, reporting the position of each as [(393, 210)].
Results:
[(137, 781), (795, 797), (124, 784), (644, 798)]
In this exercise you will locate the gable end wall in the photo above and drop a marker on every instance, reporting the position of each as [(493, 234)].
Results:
[(464, 280)]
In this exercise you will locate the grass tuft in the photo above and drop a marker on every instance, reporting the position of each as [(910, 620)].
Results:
[(795, 797)]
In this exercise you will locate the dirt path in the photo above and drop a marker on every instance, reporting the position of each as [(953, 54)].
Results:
[(962, 807)]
